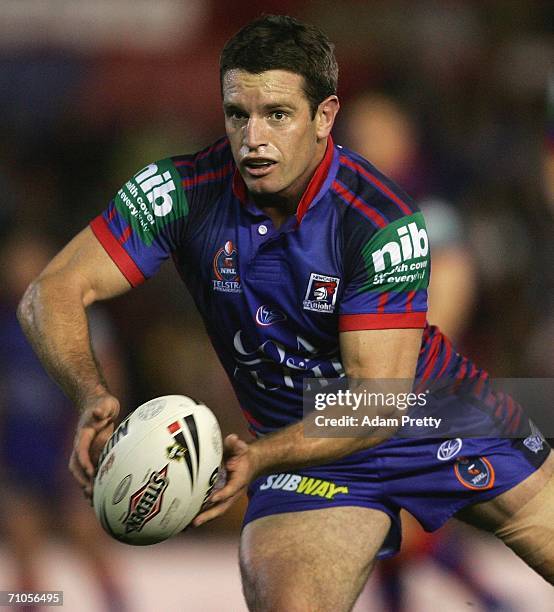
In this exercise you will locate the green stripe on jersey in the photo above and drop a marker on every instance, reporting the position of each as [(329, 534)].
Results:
[(152, 199), (397, 256)]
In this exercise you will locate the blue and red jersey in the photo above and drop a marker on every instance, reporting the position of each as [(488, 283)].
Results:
[(355, 256)]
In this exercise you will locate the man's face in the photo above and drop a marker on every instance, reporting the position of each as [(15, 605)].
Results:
[(275, 142)]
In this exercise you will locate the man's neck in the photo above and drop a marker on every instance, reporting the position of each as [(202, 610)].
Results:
[(278, 209)]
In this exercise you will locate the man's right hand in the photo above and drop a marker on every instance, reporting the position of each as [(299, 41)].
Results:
[(96, 425)]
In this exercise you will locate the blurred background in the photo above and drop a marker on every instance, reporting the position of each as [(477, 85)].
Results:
[(453, 99)]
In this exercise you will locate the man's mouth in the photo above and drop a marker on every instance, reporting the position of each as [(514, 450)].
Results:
[(258, 166)]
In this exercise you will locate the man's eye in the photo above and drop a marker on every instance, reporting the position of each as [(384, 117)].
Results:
[(278, 115), (236, 115)]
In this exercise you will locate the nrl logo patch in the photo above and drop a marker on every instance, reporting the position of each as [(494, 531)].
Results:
[(321, 294), (474, 473), (226, 270)]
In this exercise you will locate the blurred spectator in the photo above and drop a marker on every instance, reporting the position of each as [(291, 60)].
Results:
[(36, 424), (379, 129), (540, 352)]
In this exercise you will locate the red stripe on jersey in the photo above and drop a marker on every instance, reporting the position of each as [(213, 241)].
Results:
[(383, 299), (480, 383), (510, 408), (208, 176), (377, 183), (316, 181), (433, 351), (239, 188), (446, 359), (409, 300), (125, 235), (213, 149), (358, 204), (251, 419), (515, 424), (460, 374), (121, 258), (112, 213), (355, 322)]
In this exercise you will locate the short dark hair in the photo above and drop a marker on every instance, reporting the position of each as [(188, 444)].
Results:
[(280, 42)]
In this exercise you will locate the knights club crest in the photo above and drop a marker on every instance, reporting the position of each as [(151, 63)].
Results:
[(226, 277), (321, 293)]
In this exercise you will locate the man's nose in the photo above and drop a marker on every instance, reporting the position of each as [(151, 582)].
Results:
[(254, 133)]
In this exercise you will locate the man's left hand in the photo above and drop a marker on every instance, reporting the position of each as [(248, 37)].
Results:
[(239, 464)]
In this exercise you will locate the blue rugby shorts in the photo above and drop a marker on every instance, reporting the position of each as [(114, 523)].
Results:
[(431, 479)]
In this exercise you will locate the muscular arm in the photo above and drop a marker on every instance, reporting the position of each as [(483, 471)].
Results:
[(52, 315), (369, 354)]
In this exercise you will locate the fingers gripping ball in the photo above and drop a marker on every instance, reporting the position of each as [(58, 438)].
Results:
[(157, 470)]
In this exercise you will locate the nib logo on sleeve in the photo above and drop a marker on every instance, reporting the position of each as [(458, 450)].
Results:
[(150, 200), (398, 255), (157, 187), (414, 243)]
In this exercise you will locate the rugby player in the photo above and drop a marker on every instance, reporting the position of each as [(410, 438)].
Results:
[(273, 229)]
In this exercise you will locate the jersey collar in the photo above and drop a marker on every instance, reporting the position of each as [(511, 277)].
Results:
[(309, 197)]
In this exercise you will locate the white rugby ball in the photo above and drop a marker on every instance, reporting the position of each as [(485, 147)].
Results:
[(157, 470)]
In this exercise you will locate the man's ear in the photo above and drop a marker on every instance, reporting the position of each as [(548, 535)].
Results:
[(325, 116)]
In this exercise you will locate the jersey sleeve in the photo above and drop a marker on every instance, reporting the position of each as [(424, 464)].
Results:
[(386, 274), (155, 211)]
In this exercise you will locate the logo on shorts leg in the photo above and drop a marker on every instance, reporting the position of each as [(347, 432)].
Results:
[(321, 294), (474, 473), (534, 442), (304, 485), (449, 449)]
